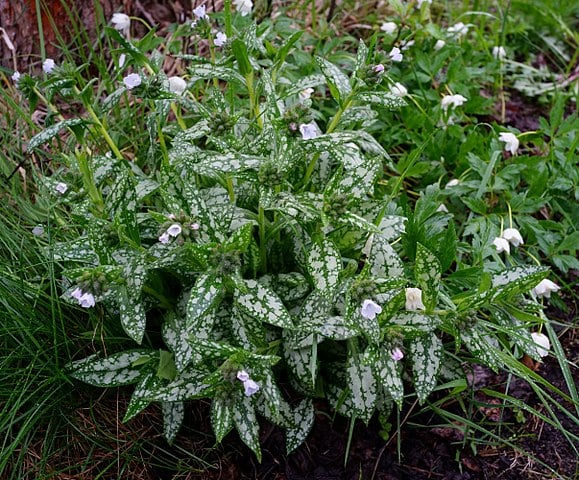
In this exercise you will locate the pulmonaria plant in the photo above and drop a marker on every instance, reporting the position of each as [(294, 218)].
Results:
[(256, 238)]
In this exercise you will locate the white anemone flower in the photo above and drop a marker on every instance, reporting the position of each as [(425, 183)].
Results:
[(132, 80), (541, 343), (395, 55), (61, 187), (396, 354), (389, 27), (414, 299), (48, 65), (370, 309), (177, 85), (398, 90), (513, 236), (243, 6), (499, 52), (220, 39), (511, 141), (452, 101), (121, 22), (545, 287), (501, 245), (309, 131)]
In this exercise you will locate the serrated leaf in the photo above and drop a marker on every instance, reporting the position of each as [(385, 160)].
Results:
[(221, 416), (115, 370), (426, 352), (428, 272), (338, 81), (262, 303), (245, 421), (205, 295), (173, 415), (517, 280), (363, 387), (304, 416), (324, 264)]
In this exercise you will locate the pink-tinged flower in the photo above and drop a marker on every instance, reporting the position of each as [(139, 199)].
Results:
[(220, 39), (370, 309), (61, 187), (194, 226), (395, 55), (513, 236), (501, 245), (541, 343), (511, 141), (396, 354), (48, 65), (545, 287), (452, 101), (77, 293), (164, 238), (132, 80), (177, 85), (308, 131), (414, 300), (379, 68), (389, 27), (174, 230), (15, 76), (499, 52)]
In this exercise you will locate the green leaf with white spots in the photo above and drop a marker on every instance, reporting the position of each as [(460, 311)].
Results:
[(247, 331), (173, 415), (335, 328), (141, 395), (384, 261), (338, 82), (79, 250), (517, 280), (427, 271), (426, 352), (392, 227), (271, 402), (416, 322), (288, 286), (206, 218), (132, 313), (300, 84), (176, 337), (363, 387), (205, 295), (192, 383), (482, 346), (387, 372), (357, 221), (324, 264), (302, 363), (262, 303), (382, 99), (122, 368), (304, 416), (359, 173), (211, 351), (222, 416), (52, 131), (391, 302), (239, 240), (207, 71), (245, 421)]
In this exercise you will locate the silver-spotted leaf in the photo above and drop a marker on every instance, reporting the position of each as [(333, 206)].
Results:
[(427, 270), (173, 415), (426, 352), (261, 302), (245, 421), (304, 416)]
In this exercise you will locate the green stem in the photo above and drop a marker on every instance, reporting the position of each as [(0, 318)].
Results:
[(254, 100), (262, 242)]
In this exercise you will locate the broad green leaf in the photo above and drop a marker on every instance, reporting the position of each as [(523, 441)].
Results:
[(392, 226), (427, 271), (304, 416), (384, 261), (416, 322), (335, 328), (248, 332), (173, 415), (357, 221), (141, 395), (383, 99), (426, 352), (360, 171), (295, 87), (245, 421), (221, 416), (121, 368), (239, 49), (302, 363), (205, 295), (338, 81), (517, 280), (324, 264), (262, 303), (363, 387), (79, 250), (192, 383), (132, 313), (240, 239), (166, 369), (288, 286), (482, 347), (202, 72), (51, 132), (387, 372)]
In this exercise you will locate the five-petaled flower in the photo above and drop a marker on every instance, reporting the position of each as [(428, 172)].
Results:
[(243, 6), (414, 299), (389, 27), (48, 65), (396, 354), (132, 80), (452, 101), (378, 68), (395, 55), (250, 386), (545, 287), (121, 22), (370, 309), (501, 245), (85, 299), (308, 131), (61, 187), (177, 85), (220, 39), (513, 236), (541, 343), (511, 141)]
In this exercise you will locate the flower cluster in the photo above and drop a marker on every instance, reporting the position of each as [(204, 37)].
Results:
[(510, 236)]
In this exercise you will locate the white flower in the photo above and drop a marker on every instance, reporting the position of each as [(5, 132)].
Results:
[(306, 93), (420, 2), (132, 80), (38, 230), (174, 230), (177, 85), (452, 100), (439, 44), (242, 376), (545, 287), (511, 141), (389, 27), (405, 45), (308, 131), (414, 299), (542, 343), (122, 60), (399, 90), (250, 387), (395, 55), (513, 236), (164, 238), (61, 188), (458, 29), (220, 39), (501, 245), (16, 76), (48, 65), (452, 183), (442, 208), (87, 300), (379, 68), (200, 12), (243, 6), (77, 293), (499, 52), (396, 354), (370, 309), (121, 22)]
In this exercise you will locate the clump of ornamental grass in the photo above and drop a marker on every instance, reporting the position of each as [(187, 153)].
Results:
[(250, 235)]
